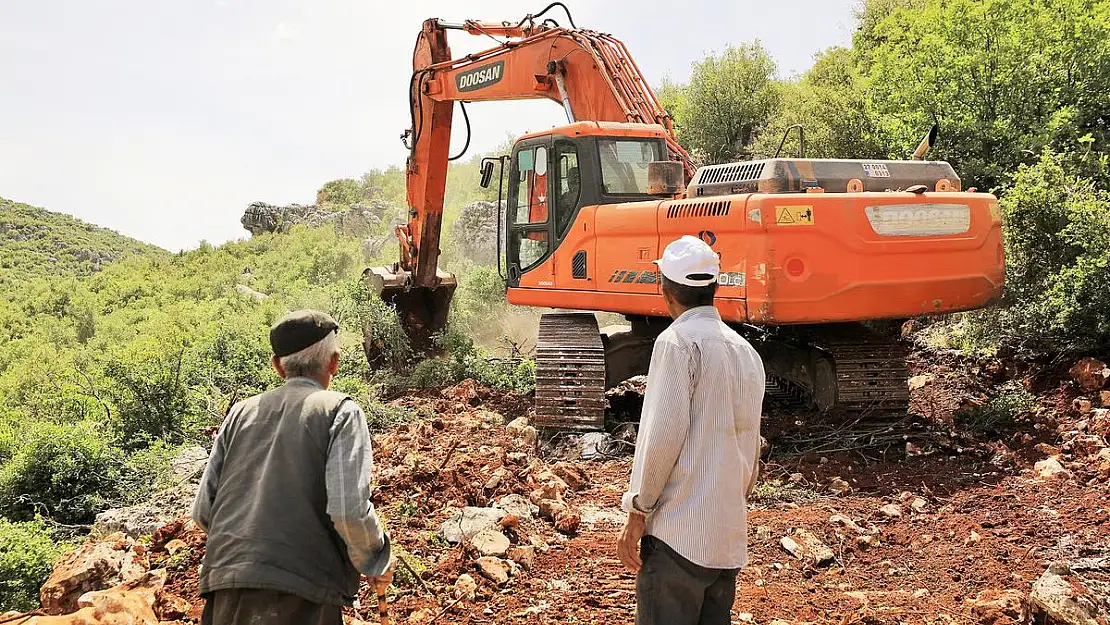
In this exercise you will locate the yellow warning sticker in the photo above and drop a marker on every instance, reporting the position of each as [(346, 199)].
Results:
[(794, 216)]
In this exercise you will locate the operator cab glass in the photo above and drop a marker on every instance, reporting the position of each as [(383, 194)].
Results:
[(624, 164), (551, 177)]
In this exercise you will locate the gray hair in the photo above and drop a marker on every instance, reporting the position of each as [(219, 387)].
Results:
[(311, 360)]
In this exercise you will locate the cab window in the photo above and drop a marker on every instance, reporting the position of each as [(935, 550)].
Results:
[(568, 185), (531, 186), (624, 165)]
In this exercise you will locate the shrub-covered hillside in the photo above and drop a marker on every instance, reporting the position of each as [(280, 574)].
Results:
[(37, 242)]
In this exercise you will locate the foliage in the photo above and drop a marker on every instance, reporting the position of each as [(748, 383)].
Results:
[(466, 360), (1057, 229), (729, 101), (831, 104), (27, 555), (343, 192), (1000, 411), (381, 416), (1005, 78), (66, 472), (36, 242)]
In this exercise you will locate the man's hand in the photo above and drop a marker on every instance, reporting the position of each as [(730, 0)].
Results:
[(628, 546), (380, 583)]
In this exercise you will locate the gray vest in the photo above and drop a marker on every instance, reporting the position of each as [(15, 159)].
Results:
[(270, 527)]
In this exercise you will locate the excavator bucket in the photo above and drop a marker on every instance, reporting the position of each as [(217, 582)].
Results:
[(421, 310)]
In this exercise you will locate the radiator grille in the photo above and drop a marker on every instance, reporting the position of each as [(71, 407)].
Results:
[(717, 208), (578, 265), (735, 172)]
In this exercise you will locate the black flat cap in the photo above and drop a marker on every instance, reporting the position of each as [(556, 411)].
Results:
[(300, 329)]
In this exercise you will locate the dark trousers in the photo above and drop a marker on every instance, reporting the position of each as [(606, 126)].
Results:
[(242, 606), (671, 590)]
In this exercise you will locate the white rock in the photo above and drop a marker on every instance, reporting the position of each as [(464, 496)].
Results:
[(469, 522), (1064, 601), (466, 588), (494, 568), (519, 506), (1049, 468), (517, 425), (920, 381), (839, 486), (840, 520), (490, 542), (807, 547), (891, 511)]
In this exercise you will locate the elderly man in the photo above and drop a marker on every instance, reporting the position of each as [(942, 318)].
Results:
[(697, 453), (285, 498)]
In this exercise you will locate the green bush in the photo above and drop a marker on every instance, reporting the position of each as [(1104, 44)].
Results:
[(1000, 411), (465, 360), (66, 472), (1057, 229), (381, 416), (27, 555), (147, 471)]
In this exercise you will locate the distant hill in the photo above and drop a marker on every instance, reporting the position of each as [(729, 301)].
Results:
[(37, 242)]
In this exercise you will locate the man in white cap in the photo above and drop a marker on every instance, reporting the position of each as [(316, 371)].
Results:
[(697, 453)]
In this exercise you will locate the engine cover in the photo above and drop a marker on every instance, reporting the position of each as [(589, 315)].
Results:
[(797, 175)]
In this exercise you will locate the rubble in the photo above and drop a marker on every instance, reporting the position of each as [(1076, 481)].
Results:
[(1090, 373), (465, 588), (524, 556), (838, 486), (891, 511), (495, 569), (840, 520), (1050, 468), (490, 543), (1065, 599), (804, 546), (998, 607), (94, 566), (469, 522), (518, 506)]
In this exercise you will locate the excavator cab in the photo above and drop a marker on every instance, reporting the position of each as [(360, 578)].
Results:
[(551, 176)]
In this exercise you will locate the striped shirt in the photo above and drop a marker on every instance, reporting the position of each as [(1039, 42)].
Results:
[(349, 466), (698, 445)]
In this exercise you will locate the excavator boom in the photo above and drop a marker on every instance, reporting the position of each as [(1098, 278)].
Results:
[(591, 74)]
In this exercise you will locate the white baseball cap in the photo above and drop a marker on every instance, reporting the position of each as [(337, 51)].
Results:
[(690, 261)]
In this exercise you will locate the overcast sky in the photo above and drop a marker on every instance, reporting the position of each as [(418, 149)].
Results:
[(164, 119)]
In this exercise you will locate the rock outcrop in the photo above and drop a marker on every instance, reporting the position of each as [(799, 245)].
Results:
[(356, 220), (475, 232)]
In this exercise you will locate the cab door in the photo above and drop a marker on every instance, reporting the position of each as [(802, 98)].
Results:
[(529, 222)]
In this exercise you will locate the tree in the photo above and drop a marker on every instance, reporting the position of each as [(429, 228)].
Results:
[(1005, 78), (830, 102), (730, 100), (342, 192)]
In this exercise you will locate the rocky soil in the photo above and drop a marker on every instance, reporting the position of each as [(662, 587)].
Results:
[(920, 520)]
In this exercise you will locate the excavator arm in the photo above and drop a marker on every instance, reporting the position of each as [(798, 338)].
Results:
[(591, 74)]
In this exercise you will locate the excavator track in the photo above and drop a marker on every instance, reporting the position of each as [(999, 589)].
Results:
[(871, 373), (570, 373), (846, 368)]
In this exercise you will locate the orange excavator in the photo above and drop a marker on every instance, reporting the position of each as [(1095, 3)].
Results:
[(813, 252)]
